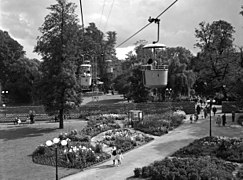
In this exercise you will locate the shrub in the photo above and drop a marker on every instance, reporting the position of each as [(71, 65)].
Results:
[(188, 168), (146, 171), (159, 124), (137, 172), (98, 148), (240, 173)]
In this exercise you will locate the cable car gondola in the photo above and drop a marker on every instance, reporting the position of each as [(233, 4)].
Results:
[(86, 75), (155, 72)]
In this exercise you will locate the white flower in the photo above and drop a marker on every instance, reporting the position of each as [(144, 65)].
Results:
[(75, 149)]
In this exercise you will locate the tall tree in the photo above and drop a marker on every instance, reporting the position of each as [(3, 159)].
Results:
[(10, 52), (59, 85), (21, 85), (18, 74), (217, 53)]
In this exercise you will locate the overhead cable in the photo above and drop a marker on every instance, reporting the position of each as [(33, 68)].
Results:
[(103, 7), (109, 14), (146, 24)]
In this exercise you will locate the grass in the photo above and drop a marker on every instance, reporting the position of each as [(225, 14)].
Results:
[(18, 143)]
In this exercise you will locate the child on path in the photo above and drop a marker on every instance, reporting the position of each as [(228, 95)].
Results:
[(218, 120), (114, 154), (119, 157)]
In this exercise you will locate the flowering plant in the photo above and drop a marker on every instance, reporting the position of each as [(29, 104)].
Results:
[(72, 152)]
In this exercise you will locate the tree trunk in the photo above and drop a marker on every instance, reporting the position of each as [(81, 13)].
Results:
[(61, 126)]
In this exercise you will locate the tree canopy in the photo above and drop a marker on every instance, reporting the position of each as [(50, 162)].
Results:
[(217, 55), (58, 45), (18, 74), (10, 52)]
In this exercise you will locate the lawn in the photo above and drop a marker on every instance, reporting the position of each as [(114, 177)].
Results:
[(18, 143)]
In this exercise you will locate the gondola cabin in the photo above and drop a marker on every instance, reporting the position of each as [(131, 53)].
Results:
[(86, 76), (109, 68), (155, 72), (155, 76)]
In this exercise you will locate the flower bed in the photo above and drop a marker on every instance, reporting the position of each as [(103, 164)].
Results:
[(98, 124), (229, 149), (187, 168), (205, 158), (159, 124), (125, 139), (76, 153)]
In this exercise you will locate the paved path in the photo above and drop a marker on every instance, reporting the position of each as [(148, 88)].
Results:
[(155, 150)]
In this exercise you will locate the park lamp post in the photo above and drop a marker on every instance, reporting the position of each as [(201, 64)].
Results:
[(210, 117), (4, 94), (55, 142), (4, 107), (168, 91)]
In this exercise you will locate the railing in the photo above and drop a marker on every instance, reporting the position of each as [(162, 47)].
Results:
[(152, 67), (162, 67)]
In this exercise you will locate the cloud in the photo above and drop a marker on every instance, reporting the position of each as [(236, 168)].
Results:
[(121, 53), (22, 18)]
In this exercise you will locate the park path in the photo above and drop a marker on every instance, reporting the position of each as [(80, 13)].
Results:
[(156, 150)]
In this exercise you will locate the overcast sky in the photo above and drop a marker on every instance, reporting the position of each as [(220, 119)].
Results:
[(22, 18)]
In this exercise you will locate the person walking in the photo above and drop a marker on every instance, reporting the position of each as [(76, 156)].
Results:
[(196, 117), (32, 116), (205, 112), (218, 120), (214, 110), (223, 119), (119, 157), (233, 116), (198, 109), (114, 154)]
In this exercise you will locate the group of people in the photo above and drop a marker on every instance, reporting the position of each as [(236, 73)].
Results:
[(205, 110), (116, 156), (220, 120), (30, 119)]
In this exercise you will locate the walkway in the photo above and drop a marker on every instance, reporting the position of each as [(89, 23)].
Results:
[(158, 149)]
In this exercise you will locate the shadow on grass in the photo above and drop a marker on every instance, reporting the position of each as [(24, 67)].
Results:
[(23, 132)]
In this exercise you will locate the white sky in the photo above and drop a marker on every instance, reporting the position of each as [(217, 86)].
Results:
[(22, 18)]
